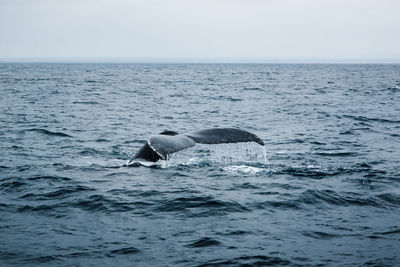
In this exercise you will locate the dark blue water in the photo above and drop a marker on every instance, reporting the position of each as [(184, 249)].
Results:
[(328, 194)]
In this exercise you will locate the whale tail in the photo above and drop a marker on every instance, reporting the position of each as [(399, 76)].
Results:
[(160, 146), (223, 135)]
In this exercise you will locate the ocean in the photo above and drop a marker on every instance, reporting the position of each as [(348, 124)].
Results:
[(327, 194)]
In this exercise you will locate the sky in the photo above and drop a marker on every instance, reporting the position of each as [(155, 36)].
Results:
[(232, 30)]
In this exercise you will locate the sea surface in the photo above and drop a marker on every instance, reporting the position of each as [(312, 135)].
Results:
[(327, 194)]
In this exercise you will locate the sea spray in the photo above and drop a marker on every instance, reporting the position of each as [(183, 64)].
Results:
[(220, 153), (265, 154)]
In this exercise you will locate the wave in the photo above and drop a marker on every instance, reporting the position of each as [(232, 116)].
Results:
[(57, 194), (204, 242), (366, 119), (200, 206), (124, 251), (60, 257), (13, 182), (318, 172), (349, 199), (319, 235), (338, 154), (253, 89), (102, 140), (86, 102), (315, 173), (90, 81), (12, 186), (390, 199), (237, 232), (288, 204), (245, 185), (395, 230), (91, 203), (46, 132), (49, 177), (43, 259), (88, 151), (257, 260), (102, 203), (316, 198)]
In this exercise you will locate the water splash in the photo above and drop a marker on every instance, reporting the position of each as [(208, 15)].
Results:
[(238, 152), (265, 155), (219, 153)]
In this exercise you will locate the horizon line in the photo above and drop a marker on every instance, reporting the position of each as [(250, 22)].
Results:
[(199, 60)]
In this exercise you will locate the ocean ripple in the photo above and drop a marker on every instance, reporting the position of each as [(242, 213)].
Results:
[(326, 192)]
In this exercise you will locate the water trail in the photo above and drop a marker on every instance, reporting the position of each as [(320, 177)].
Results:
[(265, 155)]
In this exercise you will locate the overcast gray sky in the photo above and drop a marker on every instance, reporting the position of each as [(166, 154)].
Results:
[(202, 29)]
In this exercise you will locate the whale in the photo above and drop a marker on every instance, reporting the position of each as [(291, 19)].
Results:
[(161, 146)]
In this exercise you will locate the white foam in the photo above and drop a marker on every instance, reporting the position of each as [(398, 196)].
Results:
[(243, 169)]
